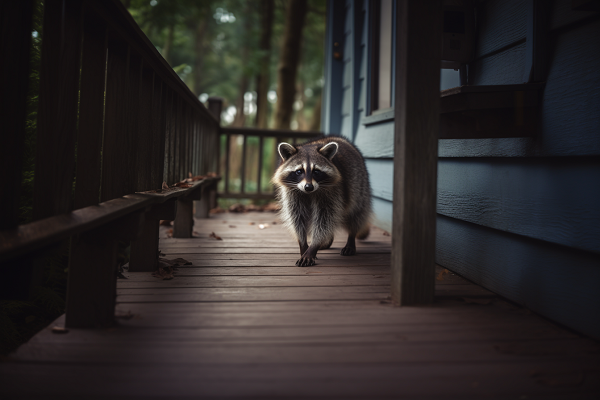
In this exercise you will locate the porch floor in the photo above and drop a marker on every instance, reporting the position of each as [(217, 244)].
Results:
[(244, 322)]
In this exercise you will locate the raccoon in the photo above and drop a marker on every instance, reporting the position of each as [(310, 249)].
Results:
[(321, 185)]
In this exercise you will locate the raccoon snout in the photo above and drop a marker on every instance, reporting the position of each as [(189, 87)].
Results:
[(309, 187)]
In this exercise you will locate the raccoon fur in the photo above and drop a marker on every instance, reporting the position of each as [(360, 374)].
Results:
[(322, 185)]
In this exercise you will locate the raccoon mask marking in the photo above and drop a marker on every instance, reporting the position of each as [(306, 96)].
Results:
[(310, 185)]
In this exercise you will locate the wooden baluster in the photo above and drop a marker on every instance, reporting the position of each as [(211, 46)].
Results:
[(15, 40), (260, 165), (144, 250), (14, 80), (58, 104), (115, 149), (243, 172), (91, 112)]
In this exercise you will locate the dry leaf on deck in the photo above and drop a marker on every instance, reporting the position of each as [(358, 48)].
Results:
[(165, 186), (441, 275), (232, 226), (215, 236), (386, 233)]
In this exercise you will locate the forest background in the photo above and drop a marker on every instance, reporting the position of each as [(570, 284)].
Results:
[(263, 57)]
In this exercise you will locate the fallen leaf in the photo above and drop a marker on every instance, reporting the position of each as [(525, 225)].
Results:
[(442, 274), (232, 226), (165, 222), (183, 184), (165, 186), (215, 236), (59, 329), (386, 233), (250, 223), (170, 233)]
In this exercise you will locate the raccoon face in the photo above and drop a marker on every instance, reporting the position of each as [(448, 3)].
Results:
[(306, 173)]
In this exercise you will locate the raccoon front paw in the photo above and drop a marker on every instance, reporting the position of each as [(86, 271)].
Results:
[(348, 251), (306, 262)]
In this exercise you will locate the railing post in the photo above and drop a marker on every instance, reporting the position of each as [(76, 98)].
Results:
[(215, 105)]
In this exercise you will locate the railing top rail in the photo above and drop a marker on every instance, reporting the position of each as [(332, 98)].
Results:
[(277, 133), (118, 19)]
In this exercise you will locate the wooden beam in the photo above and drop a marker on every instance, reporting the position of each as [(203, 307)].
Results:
[(417, 97), (15, 39)]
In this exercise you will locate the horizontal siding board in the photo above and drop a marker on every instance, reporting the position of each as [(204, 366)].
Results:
[(554, 281), (571, 107), (382, 214), (504, 147), (500, 23), (377, 141), (570, 120), (346, 127), (562, 14), (505, 68), (381, 175), (546, 199)]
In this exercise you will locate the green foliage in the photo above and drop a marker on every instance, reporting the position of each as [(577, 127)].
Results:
[(214, 43)]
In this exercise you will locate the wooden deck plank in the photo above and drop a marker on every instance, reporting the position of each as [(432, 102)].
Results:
[(363, 381), (244, 322)]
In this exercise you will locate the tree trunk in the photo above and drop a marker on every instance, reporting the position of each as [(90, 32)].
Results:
[(166, 51), (316, 121), (289, 61), (199, 53), (267, 13)]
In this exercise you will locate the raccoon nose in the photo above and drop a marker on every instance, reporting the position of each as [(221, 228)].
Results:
[(309, 187)]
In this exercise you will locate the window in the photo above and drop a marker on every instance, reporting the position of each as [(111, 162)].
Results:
[(381, 30)]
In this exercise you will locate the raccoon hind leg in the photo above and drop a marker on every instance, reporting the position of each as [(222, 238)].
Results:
[(350, 247), (327, 244)]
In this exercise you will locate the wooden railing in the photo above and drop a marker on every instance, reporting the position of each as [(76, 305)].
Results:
[(247, 168), (114, 122)]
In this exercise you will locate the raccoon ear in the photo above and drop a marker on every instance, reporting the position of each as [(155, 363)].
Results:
[(329, 150), (286, 150)]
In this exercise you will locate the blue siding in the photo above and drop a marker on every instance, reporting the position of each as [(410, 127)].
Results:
[(555, 281), (519, 216)]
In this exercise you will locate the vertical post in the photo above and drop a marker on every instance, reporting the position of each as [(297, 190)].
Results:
[(91, 113), (183, 224), (418, 53), (215, 105), (58, 105), (260, 165), (15, 40), (92, 282)]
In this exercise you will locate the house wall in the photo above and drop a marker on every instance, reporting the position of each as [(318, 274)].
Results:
[(519, 216)]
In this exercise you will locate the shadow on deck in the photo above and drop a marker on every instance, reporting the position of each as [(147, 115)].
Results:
[(242, 321)]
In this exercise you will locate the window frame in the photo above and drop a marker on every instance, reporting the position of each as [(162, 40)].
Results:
[(373, 114)]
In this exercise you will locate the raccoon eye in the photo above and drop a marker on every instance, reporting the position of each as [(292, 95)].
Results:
[(316, 172), (299, 172)]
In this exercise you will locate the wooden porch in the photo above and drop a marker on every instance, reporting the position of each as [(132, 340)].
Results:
[(243, 322)]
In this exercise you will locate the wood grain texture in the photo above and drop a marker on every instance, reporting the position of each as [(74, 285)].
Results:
[(57, 109), (15, 39), (549, 200), (415, 150), (91, 113), (318, 332)]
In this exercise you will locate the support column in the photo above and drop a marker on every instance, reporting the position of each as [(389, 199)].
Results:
[(417, 94)]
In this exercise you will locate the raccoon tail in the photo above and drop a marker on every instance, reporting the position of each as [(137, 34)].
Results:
[(364, 232)]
